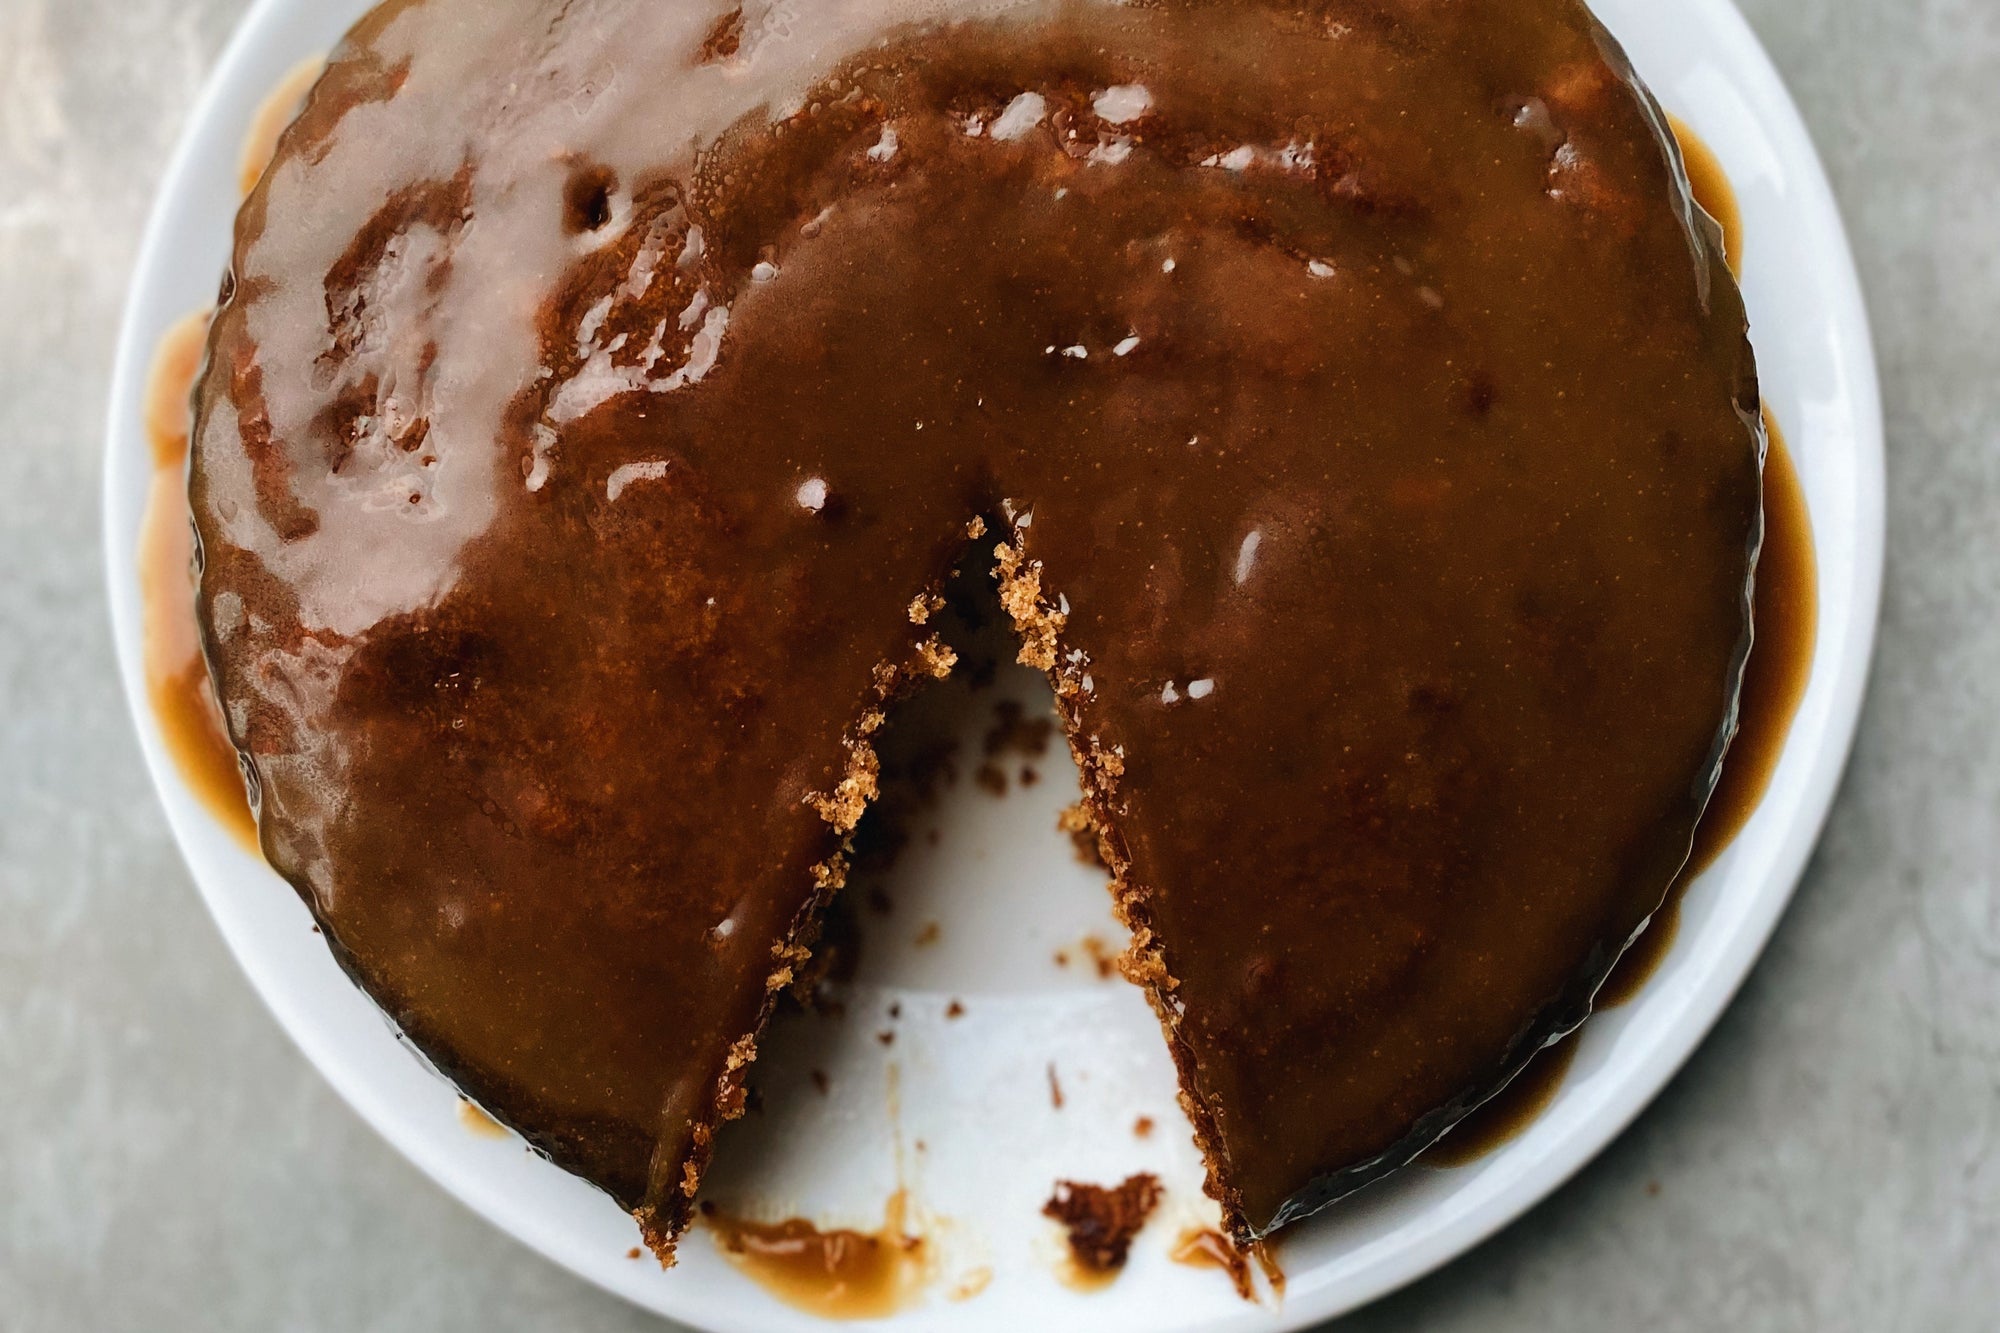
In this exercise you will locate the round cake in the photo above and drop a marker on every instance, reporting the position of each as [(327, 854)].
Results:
[(1350, 404)]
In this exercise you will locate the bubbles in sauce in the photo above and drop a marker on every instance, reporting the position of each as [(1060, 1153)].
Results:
[(835, 1274)]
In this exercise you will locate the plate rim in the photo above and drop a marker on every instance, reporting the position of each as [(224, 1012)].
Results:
[(1846, 668)]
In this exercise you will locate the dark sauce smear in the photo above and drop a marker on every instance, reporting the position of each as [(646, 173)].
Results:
[(1100, 1222)]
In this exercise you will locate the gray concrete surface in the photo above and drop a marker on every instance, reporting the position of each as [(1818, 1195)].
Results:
[(1830, 1160)]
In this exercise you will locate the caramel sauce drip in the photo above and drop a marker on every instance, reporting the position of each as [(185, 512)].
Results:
[(1712, 190), (279, 107), (1205, 1247), (1504, 1116), (1774, 681), (478, 1123), (836, 1273), (177, 680), (1786, 624), (177, 683)]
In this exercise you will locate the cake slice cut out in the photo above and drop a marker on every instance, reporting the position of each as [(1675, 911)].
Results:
[(1356, 409)]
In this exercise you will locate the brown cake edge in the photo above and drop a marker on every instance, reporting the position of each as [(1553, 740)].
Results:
[(1039, 625), (674, 1182)]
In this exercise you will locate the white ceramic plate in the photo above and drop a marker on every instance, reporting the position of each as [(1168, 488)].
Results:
[(959, 1111)]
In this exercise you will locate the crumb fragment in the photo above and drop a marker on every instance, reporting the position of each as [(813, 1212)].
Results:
[(1102, 1222), (844, 807), (991, 779), (1021, 598), (936, 658), (1075, 820), (1143, 1127), (633, 1253), (928, 935), (954, 1010), (821, 1083), (1102, 956), (1055, 1088)]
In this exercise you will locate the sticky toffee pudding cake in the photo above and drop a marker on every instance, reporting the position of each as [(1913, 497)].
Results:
[(1354, 410)]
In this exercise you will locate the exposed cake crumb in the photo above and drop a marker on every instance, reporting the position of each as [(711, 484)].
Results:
[(844, 807), (1102, 1222), (936, 658), (634, 1252), (1143, 1127), (1055, 1088), (1075, 820), (1021, 598), (1102, 956)]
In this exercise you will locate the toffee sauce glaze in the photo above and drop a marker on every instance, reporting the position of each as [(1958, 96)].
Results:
[(1774, 681), (1359, 418)]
